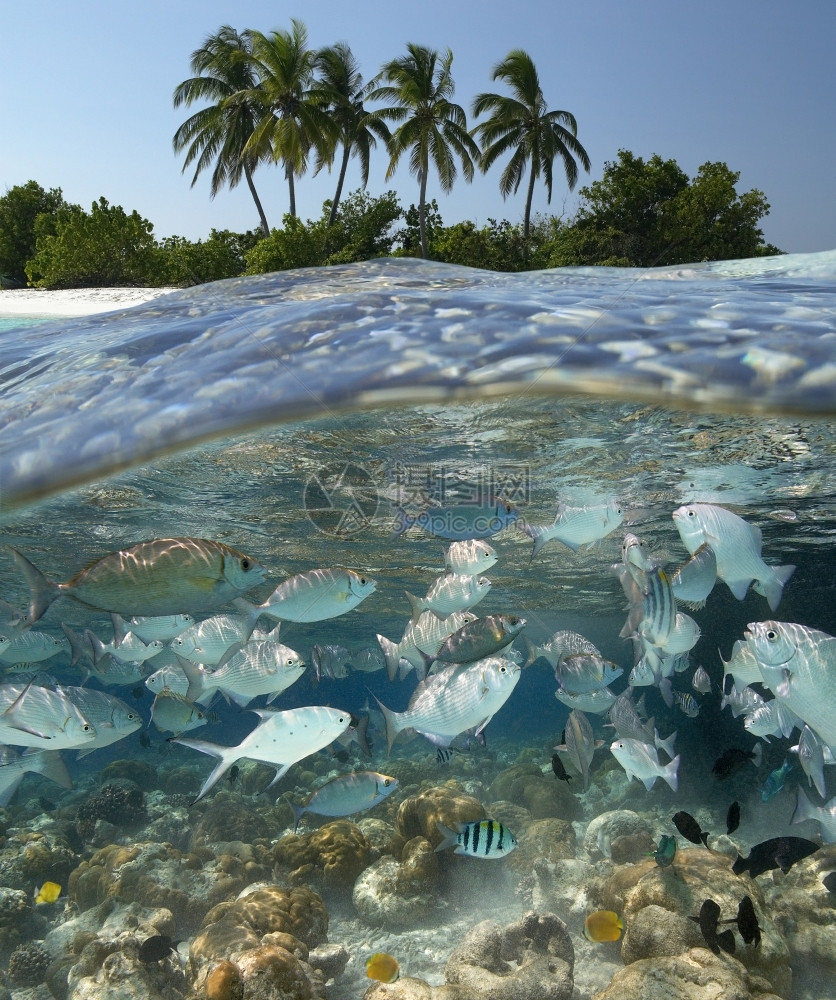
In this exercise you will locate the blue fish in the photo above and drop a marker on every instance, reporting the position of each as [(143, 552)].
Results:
[(775, 782)]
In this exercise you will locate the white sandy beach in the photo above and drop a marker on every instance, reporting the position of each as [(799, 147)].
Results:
[(38, 302)]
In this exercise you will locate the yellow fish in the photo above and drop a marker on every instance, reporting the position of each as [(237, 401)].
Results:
[(603, 925), (382, 967), (162, 576), (48, 893)]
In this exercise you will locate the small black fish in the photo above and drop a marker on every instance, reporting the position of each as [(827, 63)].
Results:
[(779, 852), (155, 948), (733, 817), (829, 881), (747, 922), (732, 760), (144, 739), (558, 768), (139, 692), (709, 915), (690, 828), (232, 774)]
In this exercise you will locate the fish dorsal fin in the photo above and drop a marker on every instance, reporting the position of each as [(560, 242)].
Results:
[(236, 647)]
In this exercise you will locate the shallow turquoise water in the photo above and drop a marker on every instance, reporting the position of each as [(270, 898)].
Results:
[(215, 412)]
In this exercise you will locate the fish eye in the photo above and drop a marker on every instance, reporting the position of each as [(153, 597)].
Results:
[(245, 564), (692, 513), (87, 728), (771, 635), (503, 669), (362, 581), (387, 783)]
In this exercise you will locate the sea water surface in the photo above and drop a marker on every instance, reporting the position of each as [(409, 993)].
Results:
[(289, 415)]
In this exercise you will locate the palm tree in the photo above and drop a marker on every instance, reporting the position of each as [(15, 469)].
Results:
[(432, 127), (220, 132), (342, 85), (523, 124), (296, 119)]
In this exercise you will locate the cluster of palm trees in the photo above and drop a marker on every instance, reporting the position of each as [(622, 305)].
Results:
[(271, 98)]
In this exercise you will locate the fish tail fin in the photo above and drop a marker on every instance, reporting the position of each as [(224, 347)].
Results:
[(195, 676), (804, 808), (391, 720), (671, 774), (666, 744), (226, 757), (449, 837), (298, 813), (78, 649), (361, 735), (120, 628), (539, 536), (281, 771), (42, 592), (50, 764), (426, 664), (403, 522), (774, 588), (531, 653), (390, 655), (666, 691), (252, 612), (96, 645), (418, 605), (757, 755)]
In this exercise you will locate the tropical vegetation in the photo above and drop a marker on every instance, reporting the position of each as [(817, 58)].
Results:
[(271, 99)]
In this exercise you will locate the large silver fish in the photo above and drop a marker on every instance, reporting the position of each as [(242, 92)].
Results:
[(798, 664), (261, 666), (207, 641), (737, 546), (14, 766), (156, 577), (34, 716), (641, 761), (580, 744), (148, 628), (280, 739), (448, 594), (112, 718), (576, 526), (314, 596), (346, 794), (32, 647), (563, 643), (459, 698), (584, 673), (470, 557)]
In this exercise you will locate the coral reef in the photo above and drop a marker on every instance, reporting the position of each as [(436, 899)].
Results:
[(137, 771), (542, 796), (696, 975), (228, 818), (18, 920), (382, 897), (122, 805), (33, 857), (330, 858), (447, 804), (656, 904), (28, 964), (620, 834)]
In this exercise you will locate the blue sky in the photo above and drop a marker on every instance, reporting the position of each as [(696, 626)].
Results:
[(87, 97)]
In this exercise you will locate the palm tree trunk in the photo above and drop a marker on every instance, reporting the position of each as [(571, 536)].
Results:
[(332, 218), (528, 199), (288, 170), (262, 217), (422, 213)]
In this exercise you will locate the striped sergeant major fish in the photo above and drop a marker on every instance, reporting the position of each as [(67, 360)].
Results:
[(486, 838)]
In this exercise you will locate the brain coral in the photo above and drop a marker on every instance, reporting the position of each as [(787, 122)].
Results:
[(418, 814), (333, 856)]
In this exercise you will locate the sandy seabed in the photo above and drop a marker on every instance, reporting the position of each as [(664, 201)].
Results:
[(40, 302)]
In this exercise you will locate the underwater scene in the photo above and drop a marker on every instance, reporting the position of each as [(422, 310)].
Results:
[(403, 630)]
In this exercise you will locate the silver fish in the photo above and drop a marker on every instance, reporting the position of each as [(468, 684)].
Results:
[(170, 676), (34, 716), (131, 649), (695, 579), (330, 660), (742, 665), (112, 718), (280, 739), (563, 643), (420, 640), (798, 664), (151, 578), (478, 639), (14, 766), (367, 660), (163, 627), (737, 546), (741, 701), (175, 713), (580, 744), (701, 682), (583, 673), (824, 815), (470, 557), (261, 666), (811, 757), (448, 594), (32, 647), (576, 526), (771, 719), (458, 698), (346, 794), (641, 761), (314, 596), (207, 641), (597, 702)]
